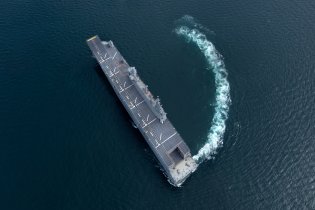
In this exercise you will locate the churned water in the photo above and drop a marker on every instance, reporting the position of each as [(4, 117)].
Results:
[(222, 87)]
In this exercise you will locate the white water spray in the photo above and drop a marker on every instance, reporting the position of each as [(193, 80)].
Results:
[(216, 65)]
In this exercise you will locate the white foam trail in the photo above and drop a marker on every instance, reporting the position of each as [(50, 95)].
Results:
[(216, 64)]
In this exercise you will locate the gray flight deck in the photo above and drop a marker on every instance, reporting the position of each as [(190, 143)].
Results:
[(146, 112)]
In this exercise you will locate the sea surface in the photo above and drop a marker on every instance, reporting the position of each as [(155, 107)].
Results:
[(237, 79)]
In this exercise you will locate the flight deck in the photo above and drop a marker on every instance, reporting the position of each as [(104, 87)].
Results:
[(146, 112)]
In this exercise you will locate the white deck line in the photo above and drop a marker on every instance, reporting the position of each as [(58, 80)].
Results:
[(168, 138), (114, 55), (126, 88), (149, 122), (139, 103)]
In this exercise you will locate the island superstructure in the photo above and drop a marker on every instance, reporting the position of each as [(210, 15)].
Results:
[(146, 112)]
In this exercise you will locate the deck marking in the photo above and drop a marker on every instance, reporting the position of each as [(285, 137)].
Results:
[(136, 100), (148, 117), (126, 88), (114, 56), (139, 103), (125, 83), (161, 136), (169, 137), (149, 123), (131, 106)]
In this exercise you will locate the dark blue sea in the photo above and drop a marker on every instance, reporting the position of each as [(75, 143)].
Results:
[(237, 79)]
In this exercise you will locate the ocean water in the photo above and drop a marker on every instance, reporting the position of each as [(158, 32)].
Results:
[(237, 79)]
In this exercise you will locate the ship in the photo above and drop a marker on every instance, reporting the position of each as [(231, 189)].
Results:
[(146, 112)]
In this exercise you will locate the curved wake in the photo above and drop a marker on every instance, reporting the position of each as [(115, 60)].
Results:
[(216, 64)]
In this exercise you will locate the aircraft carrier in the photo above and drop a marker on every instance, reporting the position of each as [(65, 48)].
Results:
[(146, 112)]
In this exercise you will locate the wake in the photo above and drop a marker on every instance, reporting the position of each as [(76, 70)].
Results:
[(222, 93)]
